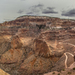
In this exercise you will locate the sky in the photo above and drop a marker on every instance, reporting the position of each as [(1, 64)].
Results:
[(11, 9)]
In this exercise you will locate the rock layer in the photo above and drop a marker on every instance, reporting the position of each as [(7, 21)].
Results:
[(34, 45)]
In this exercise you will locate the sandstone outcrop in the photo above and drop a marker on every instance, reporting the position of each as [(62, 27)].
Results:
[(4, 45), (41, 48), (35, 65), (12, 56), (16, 43), (3, 72)]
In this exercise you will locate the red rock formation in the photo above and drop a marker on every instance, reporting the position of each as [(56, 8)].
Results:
[(12, 56), (31, 43), (16, 43), (41, 48), (35, 65)]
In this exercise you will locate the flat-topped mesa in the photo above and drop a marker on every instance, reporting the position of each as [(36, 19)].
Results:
[(32, 17)]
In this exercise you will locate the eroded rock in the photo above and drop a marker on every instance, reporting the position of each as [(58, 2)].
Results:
[(16, 42), (41, 48), (35, 65), (12, 56), (4, 46)]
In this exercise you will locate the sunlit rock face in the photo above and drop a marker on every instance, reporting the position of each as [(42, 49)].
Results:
[(3, 72)]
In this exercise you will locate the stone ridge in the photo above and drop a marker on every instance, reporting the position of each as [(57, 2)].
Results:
[(35, 45)]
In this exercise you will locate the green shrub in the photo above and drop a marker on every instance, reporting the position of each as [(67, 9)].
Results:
[(73, 68), (63, 69), (58, 73), (53, 72), (69, 72)]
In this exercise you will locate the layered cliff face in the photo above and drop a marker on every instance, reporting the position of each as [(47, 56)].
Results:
[(33, 25), (34, 45)]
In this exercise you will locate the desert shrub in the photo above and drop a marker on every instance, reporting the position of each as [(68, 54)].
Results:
[(53, 72), (58, 73), (73, 68), (69, 72), (63, 69)]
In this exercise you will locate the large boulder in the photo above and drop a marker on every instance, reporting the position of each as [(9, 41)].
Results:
[(33, 65), (16, 42), (12, 56)]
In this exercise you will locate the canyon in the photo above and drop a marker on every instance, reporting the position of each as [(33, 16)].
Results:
[(35, 45)]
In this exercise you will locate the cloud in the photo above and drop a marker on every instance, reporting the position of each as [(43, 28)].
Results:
[(20, 11), (49, 10), (70, 13), (36, 9), (30, 13), (38, 6)]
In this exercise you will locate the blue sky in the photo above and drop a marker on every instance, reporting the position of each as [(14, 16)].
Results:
[(11, 9)]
